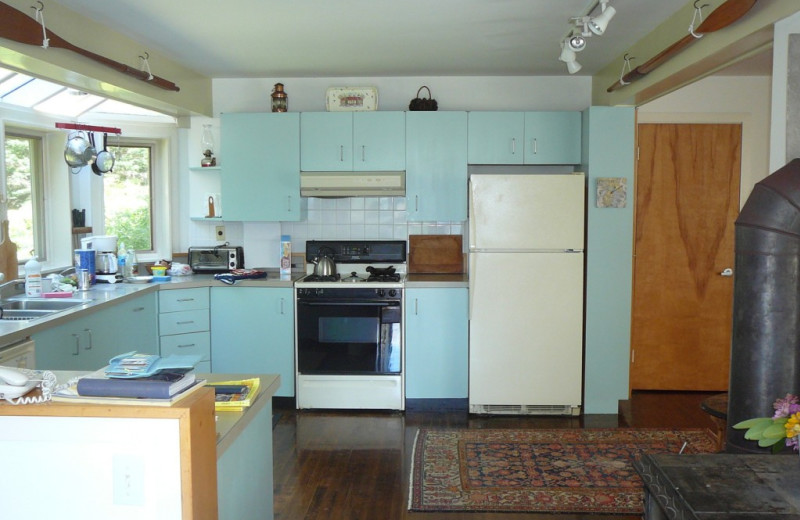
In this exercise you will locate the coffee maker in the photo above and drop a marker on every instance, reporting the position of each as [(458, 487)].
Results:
[(105, 257)]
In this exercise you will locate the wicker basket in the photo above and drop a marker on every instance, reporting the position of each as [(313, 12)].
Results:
[(422, 104)]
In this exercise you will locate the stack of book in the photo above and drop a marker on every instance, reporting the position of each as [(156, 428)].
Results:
[(135, 379)]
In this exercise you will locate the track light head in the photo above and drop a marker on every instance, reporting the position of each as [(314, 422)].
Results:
[(599, 23), (576, 42), (567, 54), (573, 67)]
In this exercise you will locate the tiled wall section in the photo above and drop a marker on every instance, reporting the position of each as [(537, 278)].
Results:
[(360, 218)]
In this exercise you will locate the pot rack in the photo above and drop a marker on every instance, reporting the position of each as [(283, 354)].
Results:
[(89, 128)]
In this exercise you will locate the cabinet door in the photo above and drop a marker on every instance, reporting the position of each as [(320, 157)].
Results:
[(252, 331), (552, 138), (437, 350), (436, 166), (261, 173), (326, 141), (80, 344), (496, 137), (130, 325), (379, 141)]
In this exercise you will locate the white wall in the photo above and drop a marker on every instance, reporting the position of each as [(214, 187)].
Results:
[(724, 99)]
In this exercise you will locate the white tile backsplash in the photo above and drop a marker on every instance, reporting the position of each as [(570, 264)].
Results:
[(351, 218)]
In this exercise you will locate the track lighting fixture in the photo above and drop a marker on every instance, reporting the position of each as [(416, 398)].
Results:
[(599, 23), (568, 56), (576, 42), (584, 26)]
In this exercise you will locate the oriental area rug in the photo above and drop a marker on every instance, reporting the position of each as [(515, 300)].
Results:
[(554, 471)]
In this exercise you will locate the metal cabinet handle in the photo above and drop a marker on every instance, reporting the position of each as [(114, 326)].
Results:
[(282, 302), (341, 153), (184, 322), (363, 153), (91, 338), (726, 272), (186, 299), (187, 345), (77, 344), (138, 309), (513, 146), (535, 146), (289, 203), (416, 306), (416, 203)]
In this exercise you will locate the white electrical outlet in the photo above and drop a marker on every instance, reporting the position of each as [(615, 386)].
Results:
[(128, 475), (219, 233)]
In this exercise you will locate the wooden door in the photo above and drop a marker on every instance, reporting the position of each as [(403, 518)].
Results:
[(687, 199)]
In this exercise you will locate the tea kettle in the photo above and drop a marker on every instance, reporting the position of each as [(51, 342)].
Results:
[(324, 265)]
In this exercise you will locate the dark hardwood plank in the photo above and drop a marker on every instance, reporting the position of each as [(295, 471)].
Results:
[(350, 465)]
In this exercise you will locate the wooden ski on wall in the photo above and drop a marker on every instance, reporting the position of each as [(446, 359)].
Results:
[(721, 17)]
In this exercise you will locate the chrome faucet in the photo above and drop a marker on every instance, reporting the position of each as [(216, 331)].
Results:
[(12, 288), (67, 270)]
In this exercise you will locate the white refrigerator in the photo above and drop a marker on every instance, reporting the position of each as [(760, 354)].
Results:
[(526, 282)]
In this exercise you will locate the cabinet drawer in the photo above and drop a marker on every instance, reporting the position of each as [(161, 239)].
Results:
[(183, 322), (183, 299), (195, 343)]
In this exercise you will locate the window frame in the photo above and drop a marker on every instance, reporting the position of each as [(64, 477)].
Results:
[(38, 188), (153, 145)]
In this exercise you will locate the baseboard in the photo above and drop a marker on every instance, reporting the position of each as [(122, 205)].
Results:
[(284, 403), (437, 405)]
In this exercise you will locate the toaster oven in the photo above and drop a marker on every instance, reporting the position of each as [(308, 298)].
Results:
[(219, 259)]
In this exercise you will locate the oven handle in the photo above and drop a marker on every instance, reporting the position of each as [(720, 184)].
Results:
[(331, 303)]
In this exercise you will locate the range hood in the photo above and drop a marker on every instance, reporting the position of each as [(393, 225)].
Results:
[(352, 184)]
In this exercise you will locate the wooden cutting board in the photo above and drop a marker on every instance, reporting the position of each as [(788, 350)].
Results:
[(8, 255), (435, 254)]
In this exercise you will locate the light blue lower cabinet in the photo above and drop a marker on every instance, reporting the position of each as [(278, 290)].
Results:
[(252, 331), (88, 343), (437, 348)]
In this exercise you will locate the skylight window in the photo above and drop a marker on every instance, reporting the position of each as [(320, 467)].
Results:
[(25, 91)]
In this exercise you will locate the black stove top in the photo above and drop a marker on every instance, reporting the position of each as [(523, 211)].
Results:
[(353, 278)]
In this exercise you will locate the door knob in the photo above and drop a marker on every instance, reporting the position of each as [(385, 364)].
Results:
[(726, 272)]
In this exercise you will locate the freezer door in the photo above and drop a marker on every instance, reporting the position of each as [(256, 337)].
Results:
[(526, 212), (526, 329)]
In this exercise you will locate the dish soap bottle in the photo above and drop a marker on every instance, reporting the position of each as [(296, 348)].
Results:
[(122, 255), (33, 277)]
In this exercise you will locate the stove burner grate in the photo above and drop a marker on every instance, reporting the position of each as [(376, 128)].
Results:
[(320, 278), (384, 277)]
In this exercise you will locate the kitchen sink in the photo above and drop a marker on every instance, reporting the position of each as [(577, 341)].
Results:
[(32, 308)]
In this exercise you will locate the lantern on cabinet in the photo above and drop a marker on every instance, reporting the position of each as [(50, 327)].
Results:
[(280, 99), (207, 145)]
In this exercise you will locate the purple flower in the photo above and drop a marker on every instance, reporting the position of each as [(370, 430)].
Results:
[(786, 406)]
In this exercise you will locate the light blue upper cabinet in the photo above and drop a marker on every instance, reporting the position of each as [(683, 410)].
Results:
[(436, 166), (552, 138), (261, 169), (496, 137), (326, 141), (379, 141), (525, 137), (352, 141)]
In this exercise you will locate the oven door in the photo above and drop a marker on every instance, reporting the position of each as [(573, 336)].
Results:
[(353, 337)]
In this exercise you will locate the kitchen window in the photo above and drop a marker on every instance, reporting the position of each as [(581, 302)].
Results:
[(128, 195), (24, 190)]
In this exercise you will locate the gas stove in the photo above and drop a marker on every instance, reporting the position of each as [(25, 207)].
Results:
[(378, 263), (349, 327)]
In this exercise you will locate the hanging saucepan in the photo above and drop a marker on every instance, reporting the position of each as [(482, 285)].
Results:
[(75, 151), (93, 159), (105, 159)]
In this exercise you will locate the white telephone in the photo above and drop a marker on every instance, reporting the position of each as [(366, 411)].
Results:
[(16, 382)]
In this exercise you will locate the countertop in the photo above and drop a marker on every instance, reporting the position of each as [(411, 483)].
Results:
[(102, 295), (437, 280)]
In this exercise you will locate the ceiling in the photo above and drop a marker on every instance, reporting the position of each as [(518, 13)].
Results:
[(373, 38)]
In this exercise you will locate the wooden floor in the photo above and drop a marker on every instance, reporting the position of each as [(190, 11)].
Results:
[(355, 466)]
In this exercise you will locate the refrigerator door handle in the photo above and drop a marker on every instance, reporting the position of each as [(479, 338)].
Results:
[(472, 273)]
